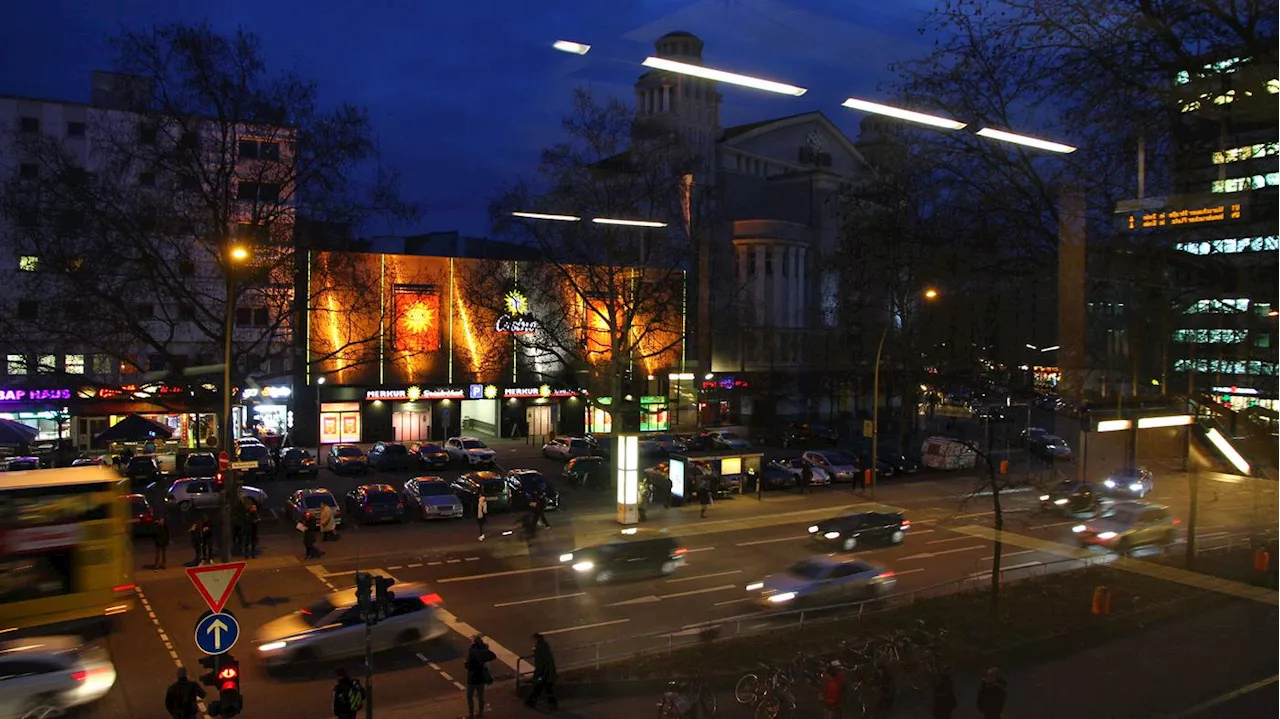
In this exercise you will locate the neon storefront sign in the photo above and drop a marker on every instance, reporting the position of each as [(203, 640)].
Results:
[(516, 320), (33, 395)]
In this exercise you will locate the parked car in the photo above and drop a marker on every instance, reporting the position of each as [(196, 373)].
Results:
[(566, 448), (295, 461), (1051, 447), (308, 501), (389, 456), (840, 466), (491, 484), (794, 467), (667, 442), (894, 463), (828, 579), (774, 476), (371, 503), (429, 455), (331, 628), (1127, 526), (526, 484), (850, 531), (697, 442), (347, 459), (470, 451), (1134, 482), (729, 440), (641, 553), (140, 469), (803, 435), (22, 464), (45, 676), (199, 464), (205, 493), (249, 452), (142, 521), (591, 472), (433, 497), (1032, 435)]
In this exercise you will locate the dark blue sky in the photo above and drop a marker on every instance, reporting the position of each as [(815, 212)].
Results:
[(463, 95)]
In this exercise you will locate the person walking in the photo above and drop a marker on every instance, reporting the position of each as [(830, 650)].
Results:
[(806, 479), (197, 541), (482, 514), (992, 694), (181, 697), (944, 695), (833, 692), (544, 674), (160, 538), (540, 507), (478, 675), (704, 499), (328, 523), (206, 540), (251, 529), (310, 528), (348, 696)]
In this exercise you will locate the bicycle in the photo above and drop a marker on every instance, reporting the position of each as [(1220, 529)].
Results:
[(751, 686), (687, 699)]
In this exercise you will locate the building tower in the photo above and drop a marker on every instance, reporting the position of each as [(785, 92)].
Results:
[(686, 104)]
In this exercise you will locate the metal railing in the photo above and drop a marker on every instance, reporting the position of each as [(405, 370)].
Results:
[(665, 642)]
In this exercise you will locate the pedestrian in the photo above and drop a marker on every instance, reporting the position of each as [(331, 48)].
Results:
[(540, 507), (310, 528), (328, 523), (149, 447), (348, 696), (478, 675), (482, 514), (251, 527), (181, 697), (944, 695), (861, 480), (833, 692), (206, 539), (160, 538), (529, 524), (544, 674), (992, 694), (806, 479), (704, 499), (197, 541)]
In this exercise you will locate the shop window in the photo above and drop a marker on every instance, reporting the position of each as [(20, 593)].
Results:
[(1262, 341), (16, 365), (339, 422), (73, 364)]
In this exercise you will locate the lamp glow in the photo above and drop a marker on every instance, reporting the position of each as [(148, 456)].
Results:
[(901, 114), (239, 254), (545, 216), (627, 223), (1175, 420), (731, 78), (1227, 450), (1025, 140), (569, 46), (1114, 425)]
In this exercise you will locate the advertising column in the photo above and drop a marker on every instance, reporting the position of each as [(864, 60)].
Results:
[(628, 453)]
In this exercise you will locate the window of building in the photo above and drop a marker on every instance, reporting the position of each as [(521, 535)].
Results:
[(147, 133), (1262, 340), (28, 263), (1209, 336), (16, 365), (768, 263), (186, 312), (104, 365), (253, 316), (29, 124), (28, 310), (186, 268), (189, 182), (28, 171), (73, 364), (1269, 243), (147, 179), (155, 363), (47, 364), (1262, 308), (1223, 306), (75, 129), (259, 150), (146, 311), (1252, 182), (786, 262), (1246, 152), (268, 192)]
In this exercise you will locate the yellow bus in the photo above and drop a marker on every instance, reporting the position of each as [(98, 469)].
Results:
[(65, 552)]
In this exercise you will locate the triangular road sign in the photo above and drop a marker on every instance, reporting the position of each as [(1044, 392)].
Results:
[(215, 582)]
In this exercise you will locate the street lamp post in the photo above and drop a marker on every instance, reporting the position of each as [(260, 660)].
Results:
[(235, 254), (929, 294)]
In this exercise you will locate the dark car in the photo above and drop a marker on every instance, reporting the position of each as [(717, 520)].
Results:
[(255, 453), (637, 554), (527, 484), (698, 442), (491, 484), (22, 464), (347, 459), (140, 470), (386, 456), (849, 531), (776, 477), (371, 503), (1070, 498), (805, 435), (142, 520), (200, 464), (430, 455), (591, 472), (1129, 482), (895, 462), (295, 461)]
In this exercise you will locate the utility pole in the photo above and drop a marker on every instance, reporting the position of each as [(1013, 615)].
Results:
[(229, 492)]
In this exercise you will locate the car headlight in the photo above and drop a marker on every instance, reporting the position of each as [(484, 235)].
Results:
[(813, 529), (1111, 483), (271, 646), (831, 535), (1135, 487), (755, 586), (1060, 502), (1107, 535), (566, 557), (583, 566), (1044, 498), (783, 597), (1078, 528)]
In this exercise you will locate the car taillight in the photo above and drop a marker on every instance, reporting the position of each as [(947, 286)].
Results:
[(1177, 521), (124, 588), (80, 676), (431, 599), (680, 552), (368, 506), (906, 524), (885, 575)]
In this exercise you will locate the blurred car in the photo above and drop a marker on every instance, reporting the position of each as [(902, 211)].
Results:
[(86, 461), (295, 461), (255, 451), (895, 463), (1031, 435), (801, 435), (1051, 447), (776, 477), (666, 442), (139, 469), (638, 552), (142, 521), (1050, 402), (470, 486), (839, 466), (45, 676), (23, 464), (332, 628), (205, 493), (347, 459), (432, 497), (1133, 482), (851, 530), (827, 579), (697, 442), (527, 484), (199, 464), (566, 448), (729, 440), (471, 451), (1127, 526), (591, 472), (371, 503), (430, 455), (246, 441), (308, 501), (1071, 497), (389, 456), (794, 466)]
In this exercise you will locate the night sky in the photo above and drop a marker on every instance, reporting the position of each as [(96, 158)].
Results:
[(463, 95)]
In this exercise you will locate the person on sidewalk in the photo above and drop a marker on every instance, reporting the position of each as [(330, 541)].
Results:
[(206, 540), (482, 513), (478, 675), (310, 529), (540, 507), (197, 541), (251, 527), (348, 696), (704, 499), (806, 479), (944, 695), (328, 523), (160, 538), (833, 692), (992, 694), (544, 674), (181, 697)]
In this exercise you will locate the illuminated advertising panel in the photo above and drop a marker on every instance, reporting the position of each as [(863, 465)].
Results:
[(417, 319)]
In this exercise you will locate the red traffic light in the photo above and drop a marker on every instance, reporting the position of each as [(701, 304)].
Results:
[(228, 673)]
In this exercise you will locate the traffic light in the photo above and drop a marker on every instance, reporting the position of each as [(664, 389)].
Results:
[(384, 595), (364, 592), (230, 702), (212, 663)]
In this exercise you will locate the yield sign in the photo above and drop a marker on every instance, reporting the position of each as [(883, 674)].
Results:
[(215, 582)]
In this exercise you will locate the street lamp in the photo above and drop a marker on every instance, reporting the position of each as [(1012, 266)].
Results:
[(319, 425), (235, 255), (929, 294)]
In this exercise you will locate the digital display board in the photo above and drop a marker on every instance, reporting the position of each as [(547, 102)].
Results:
[(1182, 214)]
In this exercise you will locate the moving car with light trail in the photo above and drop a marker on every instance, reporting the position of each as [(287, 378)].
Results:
[(45, 676), (821, 580), (850, 531), (633, 553), (1134, 482), (1070, 498), (1127, 526)]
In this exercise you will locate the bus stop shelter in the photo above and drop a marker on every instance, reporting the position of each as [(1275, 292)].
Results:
[(730, 469)]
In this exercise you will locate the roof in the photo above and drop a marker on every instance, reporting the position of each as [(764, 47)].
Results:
[(740, 132), (731, 132), (46, 478)]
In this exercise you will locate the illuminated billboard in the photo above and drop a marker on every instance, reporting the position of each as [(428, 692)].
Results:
[(417, 319)]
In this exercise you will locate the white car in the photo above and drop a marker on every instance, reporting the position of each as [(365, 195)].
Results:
[(566, 448), (729, 440), (823, 580), (470, 450), (795, 465), (203, 493), (839, 466), (45, 676)]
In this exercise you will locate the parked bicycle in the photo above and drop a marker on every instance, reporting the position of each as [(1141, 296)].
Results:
[(767, 691), (687, 699)]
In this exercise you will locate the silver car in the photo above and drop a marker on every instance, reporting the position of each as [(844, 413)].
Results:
[(45, 676), (470, 451), (839, 466), (332, 627), (566, 448), (203, 493), (433, 497), (821, 580)]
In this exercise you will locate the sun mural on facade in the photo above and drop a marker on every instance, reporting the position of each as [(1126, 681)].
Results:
[(417, 320)]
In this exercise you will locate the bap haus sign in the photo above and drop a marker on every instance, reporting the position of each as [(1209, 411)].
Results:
[(516, 320)]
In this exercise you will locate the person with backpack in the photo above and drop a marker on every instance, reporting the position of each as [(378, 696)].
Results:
[(478, 675), (348, 696), (181, 697)]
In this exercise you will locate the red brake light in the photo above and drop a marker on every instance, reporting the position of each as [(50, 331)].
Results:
[(79, 676), (680, 552), (1177, 521), (124, 588), (884, 575), (906, 524), (431, 599)]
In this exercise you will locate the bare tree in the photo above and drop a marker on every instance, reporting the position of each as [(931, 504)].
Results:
[(196, 172)]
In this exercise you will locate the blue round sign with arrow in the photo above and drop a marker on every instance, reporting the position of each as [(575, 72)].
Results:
[(217, 633)]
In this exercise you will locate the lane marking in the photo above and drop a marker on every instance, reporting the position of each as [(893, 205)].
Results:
[(949, 539), (770, 541), (1246, 689), (471, 559), (491, 575), (414, 566), (398, 566), (453, 561), (580, 626), (177, 661), (433, 564), (914, 533), (1054, 524), (706, 590), (322, 575), (504, 655), (1004, 555), (961, 549), (705, 576), (899, 573), (539, 599), (972, 514), (732, 601)]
